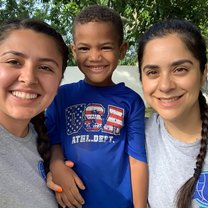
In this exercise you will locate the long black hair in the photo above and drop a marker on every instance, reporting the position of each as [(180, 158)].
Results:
[(38, 121), (192, 38)]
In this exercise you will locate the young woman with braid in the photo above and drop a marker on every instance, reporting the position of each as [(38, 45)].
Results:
[(173, 68), (33, 57)]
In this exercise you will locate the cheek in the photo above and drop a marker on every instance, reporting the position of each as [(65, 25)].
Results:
[(79, 60), (148, 86), (80, 57), (51, 85), (6, 78), (49, 96), (192, 84)]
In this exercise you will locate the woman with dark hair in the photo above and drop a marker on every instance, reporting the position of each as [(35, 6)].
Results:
[(172, 64), (33, 58)]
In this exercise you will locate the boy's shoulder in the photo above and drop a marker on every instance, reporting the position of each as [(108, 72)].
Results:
[(69, 85), (128, 94), (130, 91)]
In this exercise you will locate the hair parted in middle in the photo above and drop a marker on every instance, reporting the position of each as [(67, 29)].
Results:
[(192, 38)]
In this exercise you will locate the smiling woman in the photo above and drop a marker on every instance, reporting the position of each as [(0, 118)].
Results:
[(172, 63), (33, 57), (171, 81), (25, 75)]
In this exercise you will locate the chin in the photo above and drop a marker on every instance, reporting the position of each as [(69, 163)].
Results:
[(170, 118), (168, 115), (24, 115)]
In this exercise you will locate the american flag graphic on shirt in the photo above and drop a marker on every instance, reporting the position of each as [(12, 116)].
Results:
[(114, 121), (91, 118), (74, 117)]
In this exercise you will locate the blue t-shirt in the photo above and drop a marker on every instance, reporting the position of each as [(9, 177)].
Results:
[(98, 128)]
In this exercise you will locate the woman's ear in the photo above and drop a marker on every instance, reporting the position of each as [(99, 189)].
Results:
[(123, 49)]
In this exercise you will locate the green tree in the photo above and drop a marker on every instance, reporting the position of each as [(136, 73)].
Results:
[(137, 15)]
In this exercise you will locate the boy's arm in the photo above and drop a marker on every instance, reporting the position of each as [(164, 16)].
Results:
[(66, 178), (139, 181)]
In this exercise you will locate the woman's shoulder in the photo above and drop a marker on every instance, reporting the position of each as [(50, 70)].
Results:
[(152, 120)]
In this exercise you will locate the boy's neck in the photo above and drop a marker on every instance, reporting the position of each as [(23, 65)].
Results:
[(107, 84)]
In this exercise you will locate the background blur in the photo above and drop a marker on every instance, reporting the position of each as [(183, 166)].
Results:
[(137, 15)]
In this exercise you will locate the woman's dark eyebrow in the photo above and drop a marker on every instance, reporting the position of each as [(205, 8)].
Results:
[(176, 63), (16, 53), (150, 66), (49, 60), (182, 61)]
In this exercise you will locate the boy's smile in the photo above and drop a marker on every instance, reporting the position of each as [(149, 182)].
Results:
[(97, 51)]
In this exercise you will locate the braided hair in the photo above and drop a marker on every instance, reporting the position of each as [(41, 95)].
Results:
[(192, 38), (186, 192), (43, 144)]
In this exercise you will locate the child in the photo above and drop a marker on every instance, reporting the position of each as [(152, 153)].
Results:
[(98, 124), (33, 57)]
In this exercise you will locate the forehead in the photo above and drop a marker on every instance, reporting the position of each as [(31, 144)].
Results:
[(21, 34), (27, 38), (32, 44), (95, 30), (166, 48), (94, 23)]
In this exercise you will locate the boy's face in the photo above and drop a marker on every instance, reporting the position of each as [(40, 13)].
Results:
[(97, 51)]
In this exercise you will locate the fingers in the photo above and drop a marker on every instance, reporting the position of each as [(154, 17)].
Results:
[(60, 198), (74, 197), (52, 185), (60, 201), (79, 183), (69, 163), (63, 201), (77, 180), (69, 194)]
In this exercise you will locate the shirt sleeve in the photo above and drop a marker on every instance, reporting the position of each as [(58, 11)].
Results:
[(136, 130)]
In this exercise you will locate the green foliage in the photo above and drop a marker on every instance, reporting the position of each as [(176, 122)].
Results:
[(149, 111), (138, 15)]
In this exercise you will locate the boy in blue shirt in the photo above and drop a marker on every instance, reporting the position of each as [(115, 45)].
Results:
[(97, 124)]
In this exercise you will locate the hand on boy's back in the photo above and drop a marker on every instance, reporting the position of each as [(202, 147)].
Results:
[(68, 193)]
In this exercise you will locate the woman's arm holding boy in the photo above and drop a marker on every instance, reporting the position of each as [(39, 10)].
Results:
[(63, 180)]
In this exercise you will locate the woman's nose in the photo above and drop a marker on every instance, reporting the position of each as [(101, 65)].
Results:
[(28, 75), (166, 83)]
